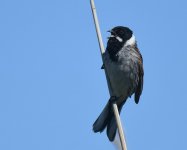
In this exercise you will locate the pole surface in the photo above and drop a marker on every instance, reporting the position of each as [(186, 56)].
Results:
[(102, 49)]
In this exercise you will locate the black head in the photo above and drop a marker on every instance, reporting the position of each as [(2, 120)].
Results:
[(121, 33), (119, 36)]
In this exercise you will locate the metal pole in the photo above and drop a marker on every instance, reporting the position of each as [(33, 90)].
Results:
[(102, 49)]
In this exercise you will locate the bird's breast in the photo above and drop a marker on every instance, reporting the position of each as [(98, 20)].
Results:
[(123, 73)]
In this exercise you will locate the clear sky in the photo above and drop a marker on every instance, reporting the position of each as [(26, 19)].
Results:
[(52, 88)]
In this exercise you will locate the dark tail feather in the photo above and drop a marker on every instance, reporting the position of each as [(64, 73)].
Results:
[(112, 126), (103, 119), (107, 118)]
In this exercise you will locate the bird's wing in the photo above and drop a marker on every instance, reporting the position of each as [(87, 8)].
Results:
[(139, 88)]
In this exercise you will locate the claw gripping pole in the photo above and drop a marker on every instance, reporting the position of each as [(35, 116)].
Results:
[(102, 49)]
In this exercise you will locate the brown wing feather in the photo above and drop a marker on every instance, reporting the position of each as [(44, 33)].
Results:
[(139, 88)]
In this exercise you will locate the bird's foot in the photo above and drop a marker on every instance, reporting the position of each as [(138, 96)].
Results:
[(103, 66), (113, 99)]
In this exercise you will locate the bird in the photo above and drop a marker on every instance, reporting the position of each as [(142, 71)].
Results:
[(124, 67)]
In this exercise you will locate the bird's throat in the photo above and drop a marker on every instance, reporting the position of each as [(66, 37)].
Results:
[(113, 47)]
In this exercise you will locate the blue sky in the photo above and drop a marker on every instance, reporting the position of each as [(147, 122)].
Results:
[(51, 85)]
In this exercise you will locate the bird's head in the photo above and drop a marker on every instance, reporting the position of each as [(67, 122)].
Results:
[(120, 37), (123, 35)]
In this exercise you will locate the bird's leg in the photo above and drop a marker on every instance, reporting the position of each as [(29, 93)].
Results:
[(103, 66), (113, 99)]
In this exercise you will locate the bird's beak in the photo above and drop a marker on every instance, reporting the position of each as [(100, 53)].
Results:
[(112, 34)]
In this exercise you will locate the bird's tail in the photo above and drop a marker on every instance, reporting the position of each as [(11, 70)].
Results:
[(107, 119)]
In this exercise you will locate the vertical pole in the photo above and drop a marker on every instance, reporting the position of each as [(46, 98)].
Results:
[(102, 49)]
